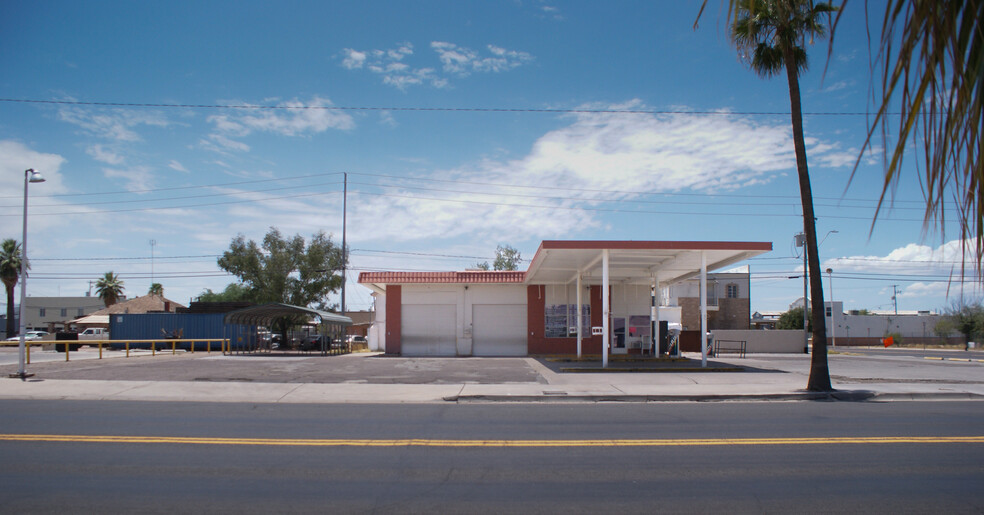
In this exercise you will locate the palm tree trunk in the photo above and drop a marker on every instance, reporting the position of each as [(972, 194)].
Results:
[(819, 373)]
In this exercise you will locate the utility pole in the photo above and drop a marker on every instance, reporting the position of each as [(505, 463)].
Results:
[(344, 247), (153, 243), (801, 242), (895, 297)]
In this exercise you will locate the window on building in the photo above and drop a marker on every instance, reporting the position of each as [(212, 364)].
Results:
[(828, 311), (81, 311), (560, 312), (64, 312), (41, 312), (732, 292)]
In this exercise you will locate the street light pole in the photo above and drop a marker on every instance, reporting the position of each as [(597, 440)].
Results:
[(801, 242), (29, 176), (833, 323)]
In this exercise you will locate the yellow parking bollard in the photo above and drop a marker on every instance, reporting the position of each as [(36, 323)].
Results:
[(28, 354), (208, 346), (128, 349), (192, 346), (66, 351), (100, 344), (153, 348)]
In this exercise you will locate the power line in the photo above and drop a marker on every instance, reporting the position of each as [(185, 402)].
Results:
[(717, 112), (178, 188)]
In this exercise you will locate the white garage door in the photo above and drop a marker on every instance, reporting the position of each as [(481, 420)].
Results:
[(499, 329), (428, 330)]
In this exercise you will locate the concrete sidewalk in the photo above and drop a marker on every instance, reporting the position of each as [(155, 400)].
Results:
[(374, 379)]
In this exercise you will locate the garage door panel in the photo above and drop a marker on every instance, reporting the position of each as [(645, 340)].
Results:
[(428, 330), (499, 330)]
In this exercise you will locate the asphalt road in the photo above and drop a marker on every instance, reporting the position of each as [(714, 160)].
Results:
[(571, 458)]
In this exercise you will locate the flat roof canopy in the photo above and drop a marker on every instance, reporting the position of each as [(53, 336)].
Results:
[(560, 262), (634, 262), (267, 313)]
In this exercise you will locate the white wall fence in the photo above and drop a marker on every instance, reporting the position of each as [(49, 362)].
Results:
[(764, 341)]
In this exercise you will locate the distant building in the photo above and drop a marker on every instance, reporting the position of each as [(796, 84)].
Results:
[(728, 304), (146, 304), (53, 313), (853, 328)]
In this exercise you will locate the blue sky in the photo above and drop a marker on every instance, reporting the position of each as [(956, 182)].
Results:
[(704, 157)]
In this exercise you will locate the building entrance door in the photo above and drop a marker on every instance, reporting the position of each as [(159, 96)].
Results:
[(618, 336)]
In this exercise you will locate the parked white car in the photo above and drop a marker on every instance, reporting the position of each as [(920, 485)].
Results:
[(29, 335)]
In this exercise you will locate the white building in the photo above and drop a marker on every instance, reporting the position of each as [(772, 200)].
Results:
[(558, 306)]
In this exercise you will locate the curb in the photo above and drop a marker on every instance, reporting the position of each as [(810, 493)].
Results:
[(843, 395)]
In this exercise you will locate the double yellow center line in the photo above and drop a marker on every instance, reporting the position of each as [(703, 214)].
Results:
[(423, 442)]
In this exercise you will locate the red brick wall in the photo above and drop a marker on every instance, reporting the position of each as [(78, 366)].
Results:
[(394, 312), (537, 343)]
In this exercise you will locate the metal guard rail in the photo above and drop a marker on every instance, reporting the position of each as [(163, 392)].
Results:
[(225, 344)]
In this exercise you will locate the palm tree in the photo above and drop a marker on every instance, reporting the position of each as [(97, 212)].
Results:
[(109, 288), (932, 58), (771, 35), (10, 269), (931, 54), (156, 289)]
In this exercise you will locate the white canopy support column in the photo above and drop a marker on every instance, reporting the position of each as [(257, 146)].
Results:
[(605, 309), (580, 315), (703, 309), (654, 318)]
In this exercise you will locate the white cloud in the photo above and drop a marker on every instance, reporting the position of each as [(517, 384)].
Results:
[(596, 155), (292, 118), (839, 85), (112, 124), (175, 165), (946, 263), (463, 61), (136, 178), (391, 64), (105, 155), (15, 158), (353, 59)]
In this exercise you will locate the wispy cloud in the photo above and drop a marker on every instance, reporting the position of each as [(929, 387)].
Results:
[(104, 154), (175, 165), (593, 158), (112, 124), (291, 118), (135, 178), (463, 61), (391, 64)]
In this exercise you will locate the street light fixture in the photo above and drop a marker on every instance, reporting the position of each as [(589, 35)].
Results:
[(29, 176)]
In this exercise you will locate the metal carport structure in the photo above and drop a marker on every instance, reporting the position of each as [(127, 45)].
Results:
[(332, 326)]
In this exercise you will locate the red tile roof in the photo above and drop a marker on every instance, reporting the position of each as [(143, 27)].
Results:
[(441, 277)]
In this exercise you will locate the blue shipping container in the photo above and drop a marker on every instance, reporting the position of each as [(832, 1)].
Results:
[(158, 326)]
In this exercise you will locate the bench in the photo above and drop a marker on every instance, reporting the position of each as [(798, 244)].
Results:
[(733, 346)]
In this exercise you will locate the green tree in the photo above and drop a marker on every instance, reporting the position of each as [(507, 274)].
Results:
[(506, 258), (967, 319), (10, 269), (233, 292), (793, 320), (286, 270), (771, 35), (156, 289), (944, 328), (109, 288)]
